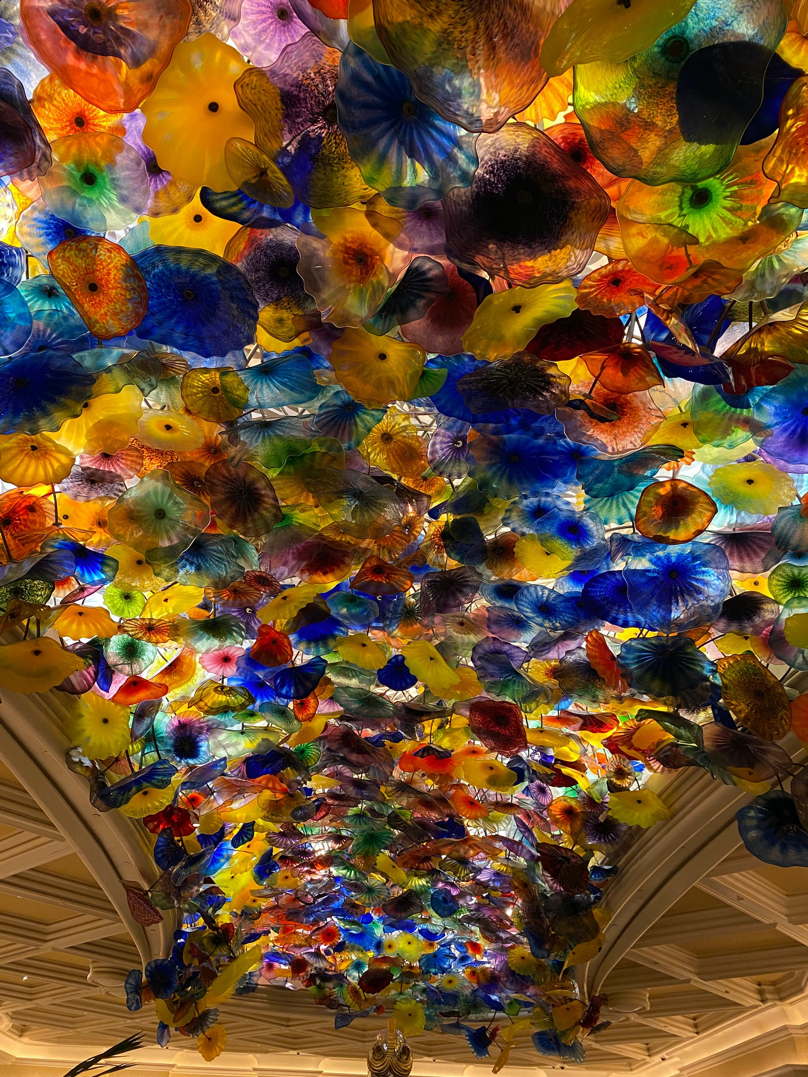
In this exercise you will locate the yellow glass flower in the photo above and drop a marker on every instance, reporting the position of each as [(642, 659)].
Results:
[(254, 172), (288, 603), (147, 802), (755, 487), (530, 553), (83, 622), (795, 630), (210, 1044), (35, 665), (350, 265), (506, 322), (489, 774), (376, 370), (193, 226), (425, 662), (468, 684), (87, 517), (522, 961), (133, 569), (637, 807), (568, 1014), (169, 430), (361, 651), (677, 430), (193, 111), (409, 946), (173, 601), (394, 445), (98, 726), (389, 868), (286, 879), (410, 1017), (28, 459), (733, 643), (593, 31), (116, 414)]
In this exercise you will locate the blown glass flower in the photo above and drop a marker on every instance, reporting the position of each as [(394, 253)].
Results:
[(96, 182), (530, 215), (403, 149), (109, 53), (197, 301), (193, 111)]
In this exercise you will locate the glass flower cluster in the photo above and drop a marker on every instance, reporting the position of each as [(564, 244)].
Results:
[(403, 455)]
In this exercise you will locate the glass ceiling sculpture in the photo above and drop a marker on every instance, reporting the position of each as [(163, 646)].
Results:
[(404, 452)]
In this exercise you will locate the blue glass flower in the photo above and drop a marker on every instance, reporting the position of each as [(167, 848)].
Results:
[(16, 321), (161, 976), (783, 411), (352, 609), (239, 207), (675, 588), (57, 331), (608, 593), (12, 264), (198, 302), (663, 666), (281, 380), (299, 681), (552, 610), (518, 464), (402, 147), (448, 399), (770, 829), (43, 293), (156, 775), (40, 230), (39, 392), (345, 419), (395, 675)]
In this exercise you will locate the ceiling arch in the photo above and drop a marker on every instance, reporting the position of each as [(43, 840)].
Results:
[(66, 932)]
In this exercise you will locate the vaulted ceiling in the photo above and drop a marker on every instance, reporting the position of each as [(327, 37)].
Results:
[(705, 967)]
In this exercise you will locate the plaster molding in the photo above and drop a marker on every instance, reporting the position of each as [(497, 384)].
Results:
[(33, 745)]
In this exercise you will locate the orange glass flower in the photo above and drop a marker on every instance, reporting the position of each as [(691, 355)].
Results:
[(103, 283), (615, 289), (349, 264), (61, 111), (111, 53), (673, 511)]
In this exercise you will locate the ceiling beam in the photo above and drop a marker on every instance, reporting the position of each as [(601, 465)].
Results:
[(696, 925), (683, 1028), (738, 860), (744, 964), (19, 809), (754, 896), (77, 931), (47, 887), (22, 851), (111, 951), (680, 965), (686, 1002)]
